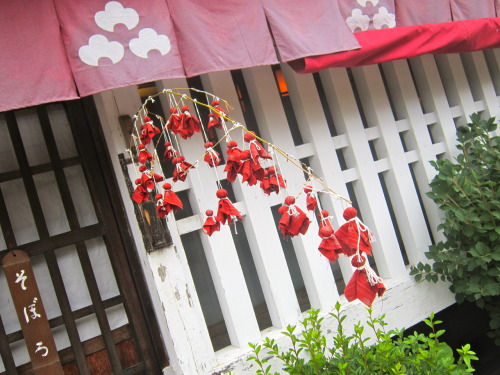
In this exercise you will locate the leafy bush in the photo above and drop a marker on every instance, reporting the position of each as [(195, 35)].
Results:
[(466, 190), (390, 353)]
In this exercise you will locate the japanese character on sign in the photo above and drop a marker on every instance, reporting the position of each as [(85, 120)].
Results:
[(21, 278), (32, 310), (39, 347)]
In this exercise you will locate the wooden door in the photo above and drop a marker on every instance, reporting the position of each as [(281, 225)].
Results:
[(59, 203)]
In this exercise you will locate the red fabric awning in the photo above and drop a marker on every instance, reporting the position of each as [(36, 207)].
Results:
[(60, 49), (378, 46)]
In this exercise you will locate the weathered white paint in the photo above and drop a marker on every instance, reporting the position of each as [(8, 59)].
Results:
[(220, 250)]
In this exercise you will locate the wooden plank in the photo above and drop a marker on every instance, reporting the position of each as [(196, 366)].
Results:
[(60, 240), (406, 102), (314, 129), (5, 224), (6, 352), (458, 90), (476, 67), (273, 125), (433, 96), (260, 227), (62, 297), (368, 189), (400, 186), (118, 242), (220, 250), (28, 181), (136, 259)]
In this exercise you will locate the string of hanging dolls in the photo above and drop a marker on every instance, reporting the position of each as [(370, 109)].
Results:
[(256, 166)]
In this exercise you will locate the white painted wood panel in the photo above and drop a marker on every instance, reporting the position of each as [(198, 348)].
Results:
[(273, 126), (259, 224), (368, 189)]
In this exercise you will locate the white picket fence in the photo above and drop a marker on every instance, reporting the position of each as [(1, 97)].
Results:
[(389, 121)]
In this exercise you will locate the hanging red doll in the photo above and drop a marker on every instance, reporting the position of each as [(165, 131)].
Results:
[(354, 235), (140, 194), (148, 178), (329, 245), (189, 124), (170, 151), (226, 213), (272, 181), (364, 285), (181, 168), (144, 155), (250, 170), (169, 201), (211, 157), (311, 198), (256, 149), (148, 131), (175, 120), (293, 220), (211, 224), (233, 162), (215, 119)]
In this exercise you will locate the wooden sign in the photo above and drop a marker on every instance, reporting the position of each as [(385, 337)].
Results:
[(31, 314)]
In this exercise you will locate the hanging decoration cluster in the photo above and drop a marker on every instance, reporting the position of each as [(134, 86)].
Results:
[(255, 166)]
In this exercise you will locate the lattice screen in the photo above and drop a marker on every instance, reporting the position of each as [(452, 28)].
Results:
[(370, 132)]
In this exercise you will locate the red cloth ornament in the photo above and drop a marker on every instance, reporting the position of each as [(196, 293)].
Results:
[(250, 171), (272, 181), (168, 202), (311, 198), (140, 194), (144, 155), (354, 235), (293, 220), (170, 151), (211, 157), (148, 131), (181, 168), (211, 224), (256, 149), (148, 178), (329, 245), (215, 119), (233, 162), (189, 124), (175, 120), (226, 212), (364, 285)]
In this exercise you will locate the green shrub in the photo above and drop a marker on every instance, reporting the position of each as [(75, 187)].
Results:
[(389, 353), (466, 190)]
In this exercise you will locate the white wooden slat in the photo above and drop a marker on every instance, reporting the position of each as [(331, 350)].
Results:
[(219, 249), (456, 84), (369, 192), (399, 181), (259, 224), (314, 129), (406, 102), (268, 109), (180, 316), (475, 65), (434, 98)]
